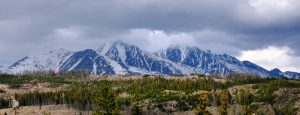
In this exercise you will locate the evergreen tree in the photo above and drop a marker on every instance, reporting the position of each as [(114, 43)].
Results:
[(106, 100), (202, 108), (245, 99), (225, 98)]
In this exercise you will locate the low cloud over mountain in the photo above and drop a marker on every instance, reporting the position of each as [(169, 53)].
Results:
[(235, 27)]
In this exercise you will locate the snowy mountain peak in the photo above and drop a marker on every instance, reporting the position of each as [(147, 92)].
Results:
[(19, 62), (181, 51), (276, 72), (208, 61), (102, 48), (122, 58), (290, 74), (58, 50), (41, 62), (88, 60), (88, 51)]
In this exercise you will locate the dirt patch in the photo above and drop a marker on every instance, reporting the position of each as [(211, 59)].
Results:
[(44, 110), (26, 88)]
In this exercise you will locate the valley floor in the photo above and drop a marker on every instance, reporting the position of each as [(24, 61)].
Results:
[(149, 95)]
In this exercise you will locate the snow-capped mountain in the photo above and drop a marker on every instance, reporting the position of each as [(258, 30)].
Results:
[(279, 74), (123, 58), (290, 74), (48, 61), (209, 62), (135, 60), (276, 72), (88, 60)]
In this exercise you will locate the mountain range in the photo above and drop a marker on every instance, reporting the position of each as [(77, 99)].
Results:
[(123, 58)]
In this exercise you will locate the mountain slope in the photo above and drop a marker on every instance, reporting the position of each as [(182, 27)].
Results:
[(290, 74), (88, 60), (279, 74), (209, 62), (135, 60), (47, 61), (123, 58)]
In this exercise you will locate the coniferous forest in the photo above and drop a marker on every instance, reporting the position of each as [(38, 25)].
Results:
[(237, 94)]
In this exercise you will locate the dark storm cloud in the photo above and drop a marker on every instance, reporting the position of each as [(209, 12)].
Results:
[(230, 26)]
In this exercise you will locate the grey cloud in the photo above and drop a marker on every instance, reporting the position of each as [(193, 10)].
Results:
[(230, 26)]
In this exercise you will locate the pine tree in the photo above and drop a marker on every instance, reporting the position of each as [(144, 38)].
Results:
[(225, 97), (245, 99), (202, 108), (106, 100)]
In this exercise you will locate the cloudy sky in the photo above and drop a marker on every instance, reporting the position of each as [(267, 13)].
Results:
[(266, 32)]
